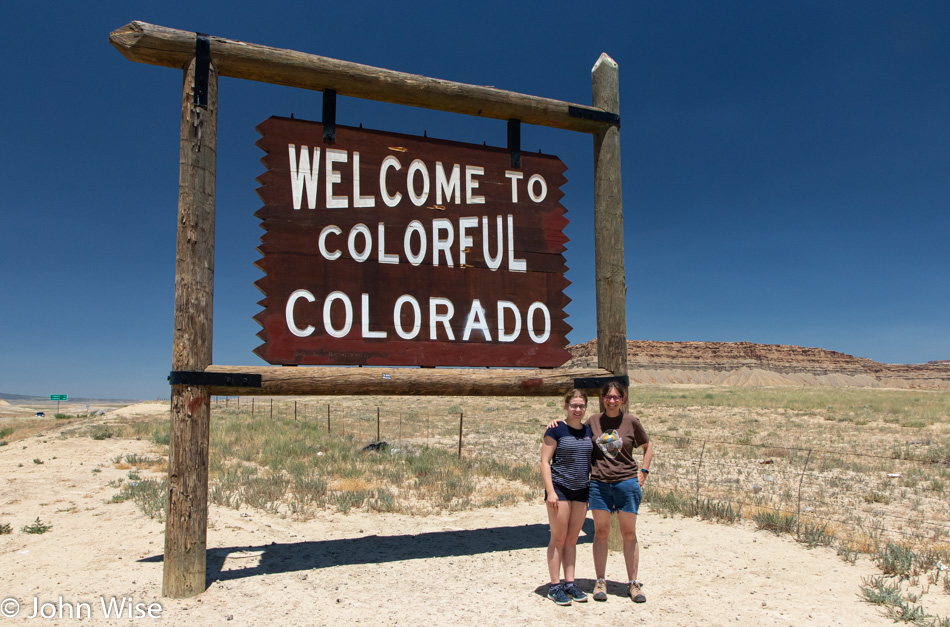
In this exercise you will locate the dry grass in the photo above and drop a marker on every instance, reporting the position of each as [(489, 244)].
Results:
[(863, 470), (870, 474)]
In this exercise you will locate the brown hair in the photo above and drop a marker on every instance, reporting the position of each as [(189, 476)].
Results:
[(613, 385), (575, 393)]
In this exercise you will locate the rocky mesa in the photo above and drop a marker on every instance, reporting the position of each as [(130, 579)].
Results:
[(749, 364)]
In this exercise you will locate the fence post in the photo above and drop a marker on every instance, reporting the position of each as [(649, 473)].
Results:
[(252, 408), (699, 469), (378, 437), (295, 411), (460, 434), (271, 409), (798, 532), (328, 418)]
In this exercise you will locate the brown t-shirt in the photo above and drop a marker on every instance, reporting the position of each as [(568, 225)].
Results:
[(632, 435)]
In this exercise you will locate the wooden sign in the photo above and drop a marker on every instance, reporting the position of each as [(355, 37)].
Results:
[(387, 249)]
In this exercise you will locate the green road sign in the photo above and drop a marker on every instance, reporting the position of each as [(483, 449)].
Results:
[(58, 397)]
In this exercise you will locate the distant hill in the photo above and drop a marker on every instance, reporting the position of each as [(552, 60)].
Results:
[(748, 364), (21, 397), (25, 398)]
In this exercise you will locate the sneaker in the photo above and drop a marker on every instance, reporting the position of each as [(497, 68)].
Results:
[(600, 590), (575, 593), (557, 594), (636, 593)]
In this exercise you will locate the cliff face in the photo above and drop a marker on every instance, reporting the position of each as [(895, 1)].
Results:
[(745, 363)]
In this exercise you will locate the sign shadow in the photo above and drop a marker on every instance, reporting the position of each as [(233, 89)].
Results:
[(237, 562)]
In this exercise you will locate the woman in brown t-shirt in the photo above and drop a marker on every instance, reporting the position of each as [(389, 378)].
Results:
[(615, 485)]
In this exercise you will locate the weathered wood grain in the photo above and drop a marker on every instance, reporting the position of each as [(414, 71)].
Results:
[(187, 517), (319, 381), (610, 276), (157, 45)]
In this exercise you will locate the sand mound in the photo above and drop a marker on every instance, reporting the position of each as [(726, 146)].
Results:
[(154, 408)]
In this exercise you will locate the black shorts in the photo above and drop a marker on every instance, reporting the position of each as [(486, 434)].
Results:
[(567, 494)]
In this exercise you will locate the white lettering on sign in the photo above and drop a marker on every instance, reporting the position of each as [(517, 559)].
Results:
[(416, 317), (360, 202), (322, 242), (537, 180), (289, 313), (305, 177), (342, 183), (348, 314), (508, 323), (332, 177), (415, 240), (417, 167), (515, 176), (450, 186), (471, 184)]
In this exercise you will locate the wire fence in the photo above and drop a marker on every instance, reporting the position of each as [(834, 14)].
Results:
[(864, 497), (512, 440)]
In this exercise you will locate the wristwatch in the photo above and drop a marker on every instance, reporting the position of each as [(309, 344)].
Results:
[(645, 471)]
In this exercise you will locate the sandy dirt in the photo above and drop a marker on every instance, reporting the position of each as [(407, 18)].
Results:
[(482, 567)]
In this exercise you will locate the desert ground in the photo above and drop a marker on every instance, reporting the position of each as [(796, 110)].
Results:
[(483, 567)]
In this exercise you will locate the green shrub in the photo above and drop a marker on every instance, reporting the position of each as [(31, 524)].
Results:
[(36, 527), (100, 432), (775, 521)]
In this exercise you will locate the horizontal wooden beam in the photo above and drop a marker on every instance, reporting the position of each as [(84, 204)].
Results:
[(326, 381), (157, 45)]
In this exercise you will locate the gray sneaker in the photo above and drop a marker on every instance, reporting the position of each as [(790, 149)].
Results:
[(600, 590), (575, 593), (557, 594)]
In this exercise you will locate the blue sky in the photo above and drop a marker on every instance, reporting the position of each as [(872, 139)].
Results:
[(786, 168)]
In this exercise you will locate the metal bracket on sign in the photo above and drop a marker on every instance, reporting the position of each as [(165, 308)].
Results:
[(329, 116), (590, 383), (215, 379), (594, 114), (202, 69), (514, 142)]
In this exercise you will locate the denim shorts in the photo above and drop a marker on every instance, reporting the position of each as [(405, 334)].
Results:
[(623, 496), (567, 494)]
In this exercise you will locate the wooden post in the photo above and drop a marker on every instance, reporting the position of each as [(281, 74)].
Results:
[(186, 525), (608, 225)]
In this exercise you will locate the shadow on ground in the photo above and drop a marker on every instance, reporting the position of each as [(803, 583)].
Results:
[(224, 563)]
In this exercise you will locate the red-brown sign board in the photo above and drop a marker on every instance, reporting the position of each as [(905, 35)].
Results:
[(387, 249)]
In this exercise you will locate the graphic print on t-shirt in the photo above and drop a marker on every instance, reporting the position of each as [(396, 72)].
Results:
[(610, 443)]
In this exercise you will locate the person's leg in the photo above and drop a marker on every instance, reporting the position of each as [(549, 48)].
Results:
[(631, 548), (601, 504), (558, 519), (578, 513), (601, 535)]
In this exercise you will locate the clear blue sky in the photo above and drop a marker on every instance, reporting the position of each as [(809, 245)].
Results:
[(786, 167)]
